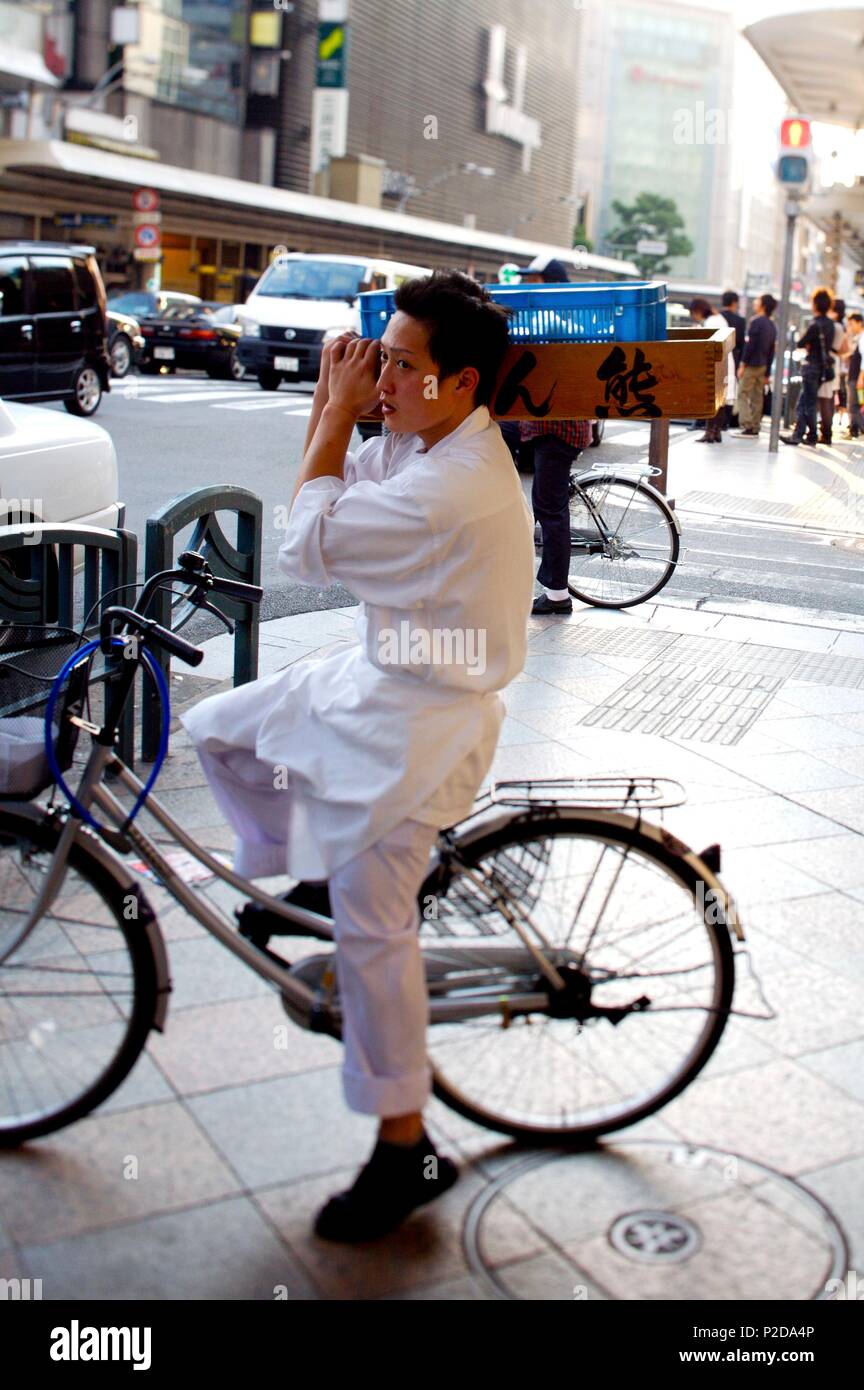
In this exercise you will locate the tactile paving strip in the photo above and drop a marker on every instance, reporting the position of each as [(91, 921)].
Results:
[(670, 699), (699, 687)]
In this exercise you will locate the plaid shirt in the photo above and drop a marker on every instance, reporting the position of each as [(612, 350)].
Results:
[(576, 433)]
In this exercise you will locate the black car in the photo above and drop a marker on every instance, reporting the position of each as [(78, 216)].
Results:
[(191, 335), (52, 325), (124, 341)]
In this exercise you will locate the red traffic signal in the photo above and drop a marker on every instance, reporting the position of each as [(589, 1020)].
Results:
[(796, 153), (795, 134)]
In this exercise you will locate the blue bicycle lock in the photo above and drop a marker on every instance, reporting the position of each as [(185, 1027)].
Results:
[(164, 700)]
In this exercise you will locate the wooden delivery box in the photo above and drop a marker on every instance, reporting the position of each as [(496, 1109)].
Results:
[(681, 377)]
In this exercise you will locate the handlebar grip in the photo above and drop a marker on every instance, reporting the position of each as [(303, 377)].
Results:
[(177, 646), (234, 588)]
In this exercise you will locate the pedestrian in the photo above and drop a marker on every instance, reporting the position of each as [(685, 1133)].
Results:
[(854, 331), (729, 310), (822, 339), (755, 367), (837, 312), (344, 767), (702, 313), (556, 445)]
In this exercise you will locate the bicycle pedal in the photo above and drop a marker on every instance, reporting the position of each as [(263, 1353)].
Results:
[(258, 923)]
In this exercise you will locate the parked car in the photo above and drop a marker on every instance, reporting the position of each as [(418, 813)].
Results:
[(299, 303), (190, 335), (124, 342), (142, 304), (52, 325), (56, 469)]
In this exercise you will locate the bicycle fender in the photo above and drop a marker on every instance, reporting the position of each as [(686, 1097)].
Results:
[(129, 886), (593, 473)]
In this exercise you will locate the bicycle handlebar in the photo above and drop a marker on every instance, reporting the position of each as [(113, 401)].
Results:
[(151, 631), (234, 588)]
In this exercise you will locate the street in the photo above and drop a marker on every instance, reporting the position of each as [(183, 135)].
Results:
[(176, 433)]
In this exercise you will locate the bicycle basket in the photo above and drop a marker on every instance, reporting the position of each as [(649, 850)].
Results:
[(30, 659), (515, 874)]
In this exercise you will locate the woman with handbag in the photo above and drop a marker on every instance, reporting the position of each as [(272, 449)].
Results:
[(824, 340)]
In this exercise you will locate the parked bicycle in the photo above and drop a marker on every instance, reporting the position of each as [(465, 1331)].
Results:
[(625, 539), (578, 957)]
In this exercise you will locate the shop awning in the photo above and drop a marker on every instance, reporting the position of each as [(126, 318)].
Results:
[(46, 162), (817, 56)]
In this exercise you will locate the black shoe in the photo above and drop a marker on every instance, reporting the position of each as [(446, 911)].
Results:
[(392, 1184), (544, 604), (258, 923), (789, 439)]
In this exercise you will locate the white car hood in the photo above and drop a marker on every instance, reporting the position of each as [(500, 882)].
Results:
[(301, 313), (68, 465)]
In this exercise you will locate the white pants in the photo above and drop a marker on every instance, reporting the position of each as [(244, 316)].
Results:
[(379, 964)]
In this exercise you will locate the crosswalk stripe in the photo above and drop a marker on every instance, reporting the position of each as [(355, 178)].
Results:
[(258, 405), (182, 397), (307, 410)]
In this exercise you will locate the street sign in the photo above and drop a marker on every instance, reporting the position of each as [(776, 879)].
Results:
[(139, 218), (147, 253), (647, 247), (147, 237), (145, 200)]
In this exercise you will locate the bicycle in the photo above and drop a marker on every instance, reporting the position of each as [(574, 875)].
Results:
[(625, 539), (578, 957)]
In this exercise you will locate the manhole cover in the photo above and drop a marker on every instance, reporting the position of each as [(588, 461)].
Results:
[(651, 1219), (655, 1237)]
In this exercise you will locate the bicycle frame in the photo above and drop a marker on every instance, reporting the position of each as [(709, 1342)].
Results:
[(305, 1005)]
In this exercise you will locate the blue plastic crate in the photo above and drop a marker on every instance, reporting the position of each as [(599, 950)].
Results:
[(587, 313)]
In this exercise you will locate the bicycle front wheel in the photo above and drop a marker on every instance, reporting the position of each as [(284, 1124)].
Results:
[(649, 977), (77, 996), (624, 542)]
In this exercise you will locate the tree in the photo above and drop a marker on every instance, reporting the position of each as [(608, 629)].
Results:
[(580, 237), (651, 218)]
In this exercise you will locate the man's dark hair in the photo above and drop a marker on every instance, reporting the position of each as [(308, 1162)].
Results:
[(701, 306), (730, 297), (769, 303), (859, 318), (839, 307), (466, 328), (822, 301)]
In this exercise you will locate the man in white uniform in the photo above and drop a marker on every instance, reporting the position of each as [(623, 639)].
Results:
[(344, 768)]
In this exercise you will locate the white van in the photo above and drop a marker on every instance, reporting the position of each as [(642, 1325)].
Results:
[(300, 302)]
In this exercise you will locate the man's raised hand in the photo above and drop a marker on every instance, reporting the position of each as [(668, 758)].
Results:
[(354, 370)]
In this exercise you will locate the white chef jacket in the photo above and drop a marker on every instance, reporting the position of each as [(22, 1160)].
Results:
[(715, 321), (431, 541)]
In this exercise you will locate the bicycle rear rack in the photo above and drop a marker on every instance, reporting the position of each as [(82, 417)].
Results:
[(584, 793)]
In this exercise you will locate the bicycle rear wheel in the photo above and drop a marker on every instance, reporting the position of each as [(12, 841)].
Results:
[(635, 552), (649, 967), (77, 996)]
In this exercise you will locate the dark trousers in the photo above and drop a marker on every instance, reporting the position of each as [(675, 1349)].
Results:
[(808, 404), (550, 497)]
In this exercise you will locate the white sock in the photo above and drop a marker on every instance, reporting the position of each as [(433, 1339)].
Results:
[(557, 595)]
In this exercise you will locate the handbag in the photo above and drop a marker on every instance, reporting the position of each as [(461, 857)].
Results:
[(827, 371)]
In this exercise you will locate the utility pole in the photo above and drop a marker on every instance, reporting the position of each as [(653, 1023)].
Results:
[(793, 207), (794, 172)]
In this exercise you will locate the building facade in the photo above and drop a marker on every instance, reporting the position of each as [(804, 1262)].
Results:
[(657, 117), (459, 114)]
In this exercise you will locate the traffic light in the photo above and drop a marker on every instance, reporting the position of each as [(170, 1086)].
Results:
[(796, 152)]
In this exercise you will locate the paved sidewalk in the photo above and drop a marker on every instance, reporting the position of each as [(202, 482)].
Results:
[(761, 715), (820, 487)]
